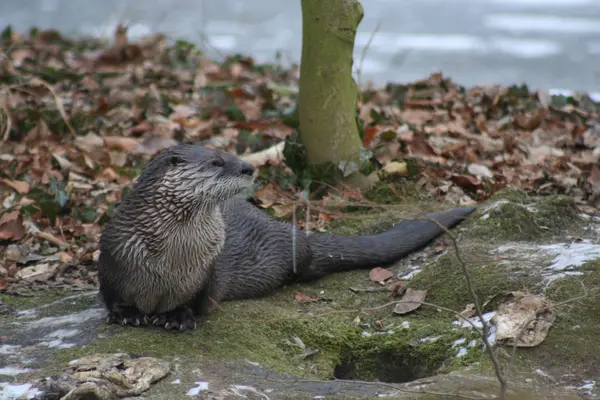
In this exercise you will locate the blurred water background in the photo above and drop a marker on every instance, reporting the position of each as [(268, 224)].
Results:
[(552, 44)]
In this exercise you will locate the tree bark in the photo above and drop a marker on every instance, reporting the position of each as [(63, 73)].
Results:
[(328, 93)]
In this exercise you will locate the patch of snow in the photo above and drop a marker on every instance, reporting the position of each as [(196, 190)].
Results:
[(462, 351), (10, 391), (572, 254), (492, 337), (57, 344), (428, 339), (414, 270), (237, 388), (475, 320), (458, 341), (405, 324), (13, 371), (477, 323), (587, 385), (564, 257), (63, 333), (543, 374), (176, 381), (8, 349), (70, 319), (586, 388), (195, 391)]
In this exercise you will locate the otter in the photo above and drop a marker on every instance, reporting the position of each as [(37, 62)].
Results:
[(184, 240)]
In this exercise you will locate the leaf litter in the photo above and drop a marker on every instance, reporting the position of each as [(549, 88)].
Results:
[(80, 118)]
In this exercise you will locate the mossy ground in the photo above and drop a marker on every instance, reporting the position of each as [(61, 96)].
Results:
[(329, 338)]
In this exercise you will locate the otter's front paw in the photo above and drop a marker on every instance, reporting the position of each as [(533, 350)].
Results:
[(180, 319), (126, 315)]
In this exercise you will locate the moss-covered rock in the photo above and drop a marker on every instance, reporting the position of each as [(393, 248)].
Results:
[(512, 215), (296, 348)]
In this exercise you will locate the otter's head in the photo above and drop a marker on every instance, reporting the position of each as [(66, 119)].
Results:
[(190, 175)]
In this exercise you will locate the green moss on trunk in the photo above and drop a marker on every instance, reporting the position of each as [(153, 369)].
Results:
[(328, 93)]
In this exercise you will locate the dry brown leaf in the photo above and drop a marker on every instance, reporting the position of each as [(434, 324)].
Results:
[(307, 299), (11, 226), (526, 319), (283, 210), (267, 195), (396, 168), (20, 186), (39, 272), (107, 174), (397, 287), (411, 300), (467, 182), (121, 143), (469, 311), (380, 275), (90, 143)]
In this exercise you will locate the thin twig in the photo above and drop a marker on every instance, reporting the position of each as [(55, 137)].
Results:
[(484, 327), (362, 59), (377, 308), (5, 126)]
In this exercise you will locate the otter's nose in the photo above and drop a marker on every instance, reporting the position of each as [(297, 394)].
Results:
[(247, 169)]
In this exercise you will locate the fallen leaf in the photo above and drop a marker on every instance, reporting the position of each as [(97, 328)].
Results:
[(380, 275), (283, 210), (267, 195), (121, 143), (469, 311), (20, 186), (306, 299), (397, 287), (11, 226), (396, 168), (525, 319), (411, 300), (40, 272), (90, 142), (467, 182), (480, 170), (64, 257), (369, 135)]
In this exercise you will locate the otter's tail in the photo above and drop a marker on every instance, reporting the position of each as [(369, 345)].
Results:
[(339, 253)]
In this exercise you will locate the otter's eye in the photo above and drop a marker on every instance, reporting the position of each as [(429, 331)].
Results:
[(174, 160), (218, 163)]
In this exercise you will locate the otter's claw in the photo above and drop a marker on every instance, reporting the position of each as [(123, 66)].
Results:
[(124, 315), (180, 319)]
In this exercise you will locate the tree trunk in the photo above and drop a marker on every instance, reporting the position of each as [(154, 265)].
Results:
[(328, 93)]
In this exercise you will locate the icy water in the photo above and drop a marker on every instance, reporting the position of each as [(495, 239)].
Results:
[(553, 44)]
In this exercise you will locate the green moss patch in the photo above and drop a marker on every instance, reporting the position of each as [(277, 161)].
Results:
[(514, 216)]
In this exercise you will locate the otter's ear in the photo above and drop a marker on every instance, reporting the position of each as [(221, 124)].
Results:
[(174, 160)]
